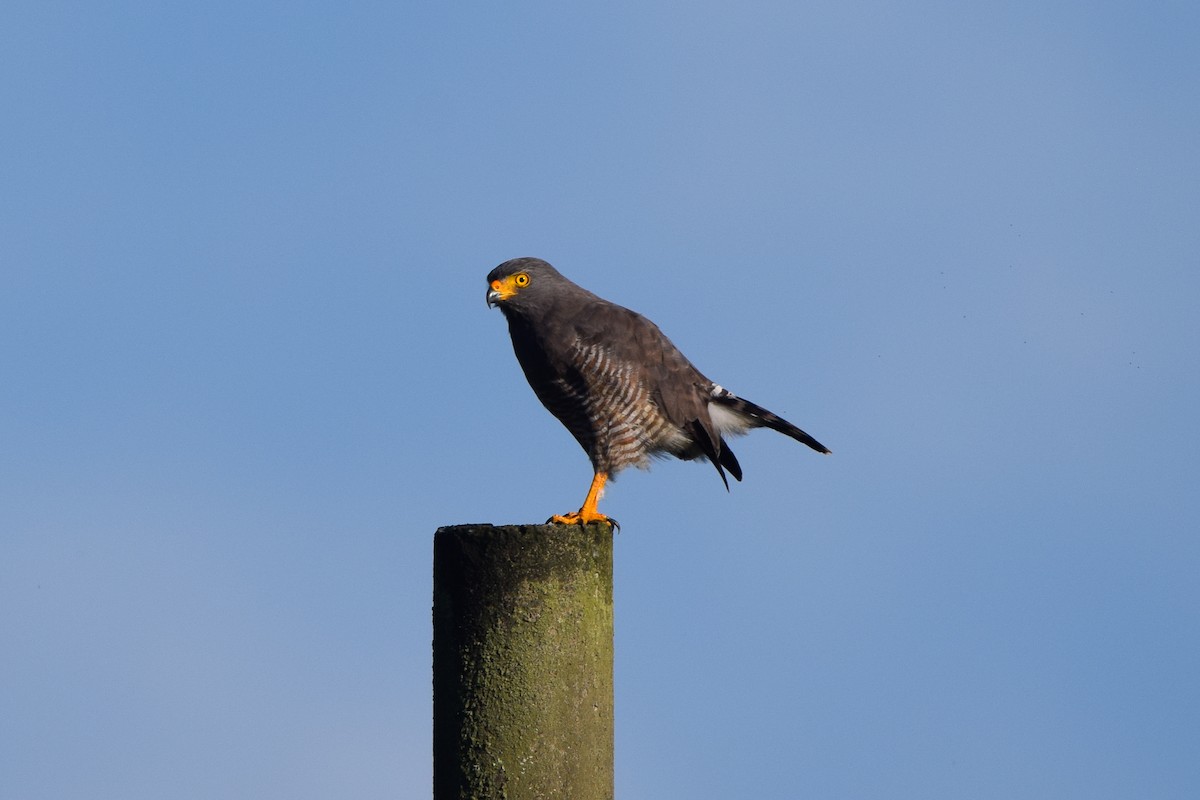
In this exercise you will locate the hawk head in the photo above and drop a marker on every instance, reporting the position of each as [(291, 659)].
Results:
[(523, 284)]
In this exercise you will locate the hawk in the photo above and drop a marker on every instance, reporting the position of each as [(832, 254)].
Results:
[(616, 382)]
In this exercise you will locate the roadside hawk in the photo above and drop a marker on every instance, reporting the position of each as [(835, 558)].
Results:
[(620, 386)]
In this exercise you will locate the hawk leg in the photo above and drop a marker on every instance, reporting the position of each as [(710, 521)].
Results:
[(588, 513)]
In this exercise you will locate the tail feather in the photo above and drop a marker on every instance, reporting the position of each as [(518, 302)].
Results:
[(757, 416)]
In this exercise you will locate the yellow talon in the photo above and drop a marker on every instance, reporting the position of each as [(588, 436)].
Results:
[(588, 514)]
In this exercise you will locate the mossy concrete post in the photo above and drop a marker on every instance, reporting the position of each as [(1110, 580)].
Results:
[(523, 662)]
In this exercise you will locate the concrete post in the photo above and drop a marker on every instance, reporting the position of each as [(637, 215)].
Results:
[(523, 662)]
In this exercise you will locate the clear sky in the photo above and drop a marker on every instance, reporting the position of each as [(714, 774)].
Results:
[(246, 370)]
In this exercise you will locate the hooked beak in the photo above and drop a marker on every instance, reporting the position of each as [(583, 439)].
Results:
[(499, 291)]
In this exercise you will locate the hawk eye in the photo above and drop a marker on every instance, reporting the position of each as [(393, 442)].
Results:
[(521, 280)]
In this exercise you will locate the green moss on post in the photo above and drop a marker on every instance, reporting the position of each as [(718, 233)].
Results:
[(522, 662)]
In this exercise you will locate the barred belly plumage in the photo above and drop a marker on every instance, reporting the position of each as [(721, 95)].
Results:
[(609, 410)]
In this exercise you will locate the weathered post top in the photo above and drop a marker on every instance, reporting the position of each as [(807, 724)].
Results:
[(523, 662)]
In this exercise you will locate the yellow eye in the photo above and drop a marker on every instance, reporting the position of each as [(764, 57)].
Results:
[(521, 280)]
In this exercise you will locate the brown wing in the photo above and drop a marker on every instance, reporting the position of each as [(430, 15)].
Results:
[(677, 389)]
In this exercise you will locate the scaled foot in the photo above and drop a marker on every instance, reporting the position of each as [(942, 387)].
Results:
[(581, 518)]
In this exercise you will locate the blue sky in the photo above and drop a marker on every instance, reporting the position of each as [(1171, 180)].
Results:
[(246, 370)]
